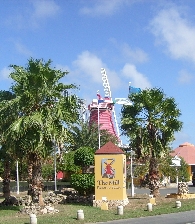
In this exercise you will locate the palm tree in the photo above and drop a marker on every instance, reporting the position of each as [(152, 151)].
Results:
[(150, 124), (44, 113), (5, 153), (86, 135)]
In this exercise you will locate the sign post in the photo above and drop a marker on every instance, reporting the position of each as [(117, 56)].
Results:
[(110, 176), (176, 163)]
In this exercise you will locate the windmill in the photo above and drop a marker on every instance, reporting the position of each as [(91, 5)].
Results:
[(102, 110)]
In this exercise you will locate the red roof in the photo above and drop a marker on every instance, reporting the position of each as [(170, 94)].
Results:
[(187, 152), (109, 148)]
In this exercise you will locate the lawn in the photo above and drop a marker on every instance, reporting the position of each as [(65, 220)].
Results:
[(68, 213)]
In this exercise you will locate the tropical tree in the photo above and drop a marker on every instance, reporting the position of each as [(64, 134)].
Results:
[(66, 164), (1, 167), (150, 123), (84, 157), (84, 182), (6, 160), (44, 109), (86, 134), (183, 173), (5, 154), (48, 172)]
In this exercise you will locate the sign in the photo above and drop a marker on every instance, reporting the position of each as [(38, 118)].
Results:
[(122, 101), (110, 177), (176, 161)]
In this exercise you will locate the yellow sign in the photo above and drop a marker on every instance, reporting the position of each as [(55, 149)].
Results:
[(110, 176)]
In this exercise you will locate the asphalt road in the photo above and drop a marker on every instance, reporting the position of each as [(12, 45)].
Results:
[(163, 191), (173, 218)]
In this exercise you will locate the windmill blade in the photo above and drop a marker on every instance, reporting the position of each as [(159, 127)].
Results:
[(113, 160), (107, 93), (106, 84)]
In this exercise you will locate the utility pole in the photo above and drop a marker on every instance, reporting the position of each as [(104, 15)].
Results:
[(132, 184), (17, 176)]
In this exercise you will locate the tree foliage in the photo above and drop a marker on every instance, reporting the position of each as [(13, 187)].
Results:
[(182, 171), (6, 155), (48, 171), (83, 183), (67, 165), (44, 109), (150, 123), (84, 157), (86, 134)]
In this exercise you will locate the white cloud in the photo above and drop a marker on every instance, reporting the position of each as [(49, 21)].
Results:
[(4, 74), (86, 71), (89, 66), (185, 77), (136, 55), (33, 14), (137, 79), (104, 7), (23, 49), (172, 28), (128, 53), (44, 8)]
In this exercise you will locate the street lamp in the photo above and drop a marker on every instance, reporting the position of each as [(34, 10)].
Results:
[(98, 126), (132, 153), (65, 95), (176, 163), (55, 170), (17, 177)]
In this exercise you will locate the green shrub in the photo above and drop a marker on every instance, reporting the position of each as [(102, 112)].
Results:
[(83, 183), (48, 172), (84, 157), (183, 173), (67, 164)]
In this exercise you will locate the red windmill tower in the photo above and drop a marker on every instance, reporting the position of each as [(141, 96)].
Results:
[(102, 110)]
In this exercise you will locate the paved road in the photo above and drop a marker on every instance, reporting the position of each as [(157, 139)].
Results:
[(163, 191), (173, 218)]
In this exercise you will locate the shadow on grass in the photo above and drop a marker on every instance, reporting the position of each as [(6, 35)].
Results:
[(78, 204), (12, 208), (129, 197)]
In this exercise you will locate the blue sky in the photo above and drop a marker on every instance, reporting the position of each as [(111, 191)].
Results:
[(146, 42)]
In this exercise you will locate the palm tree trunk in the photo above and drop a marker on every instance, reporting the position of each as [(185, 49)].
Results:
[(154, 179), (6, 179), (35, 179), (37, 184), (30, 168)]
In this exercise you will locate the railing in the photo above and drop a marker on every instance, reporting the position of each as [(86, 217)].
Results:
[(23, 185)]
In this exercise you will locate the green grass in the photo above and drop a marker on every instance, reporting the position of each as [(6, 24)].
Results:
[(68, 213)]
